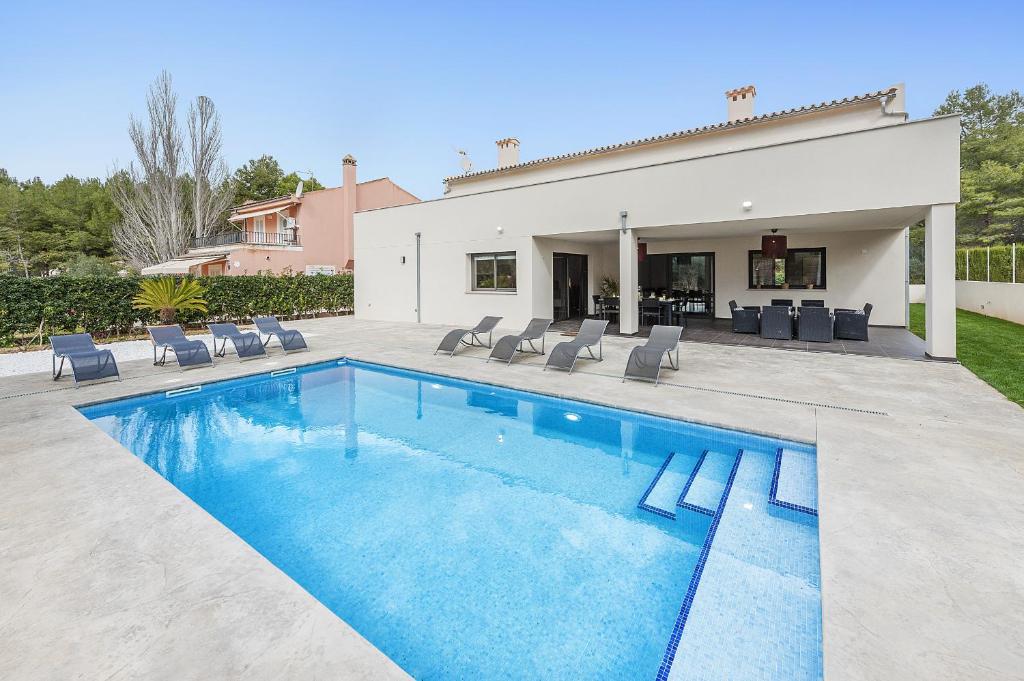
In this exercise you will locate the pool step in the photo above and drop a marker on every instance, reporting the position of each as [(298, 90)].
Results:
[(706, 484), (795, 482), (660, 497)]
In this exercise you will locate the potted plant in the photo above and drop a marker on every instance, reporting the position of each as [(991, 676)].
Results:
[(609, 287), (167, 299)]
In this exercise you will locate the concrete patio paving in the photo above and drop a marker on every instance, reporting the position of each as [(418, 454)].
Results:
[(107, 571)]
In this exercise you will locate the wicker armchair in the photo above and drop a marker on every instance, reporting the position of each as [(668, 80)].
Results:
[(745, 319), (815, 324), (853, 324), (777, 322)]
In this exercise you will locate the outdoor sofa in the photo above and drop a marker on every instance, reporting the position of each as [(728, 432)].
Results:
[(745, 319), (777, 322), (853, 324)]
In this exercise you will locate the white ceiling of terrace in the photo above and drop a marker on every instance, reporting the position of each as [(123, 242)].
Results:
[(887, 218)]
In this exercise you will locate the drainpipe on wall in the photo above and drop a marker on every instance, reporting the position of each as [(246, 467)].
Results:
[(418, 315)]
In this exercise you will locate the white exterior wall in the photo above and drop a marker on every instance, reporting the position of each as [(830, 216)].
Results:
[(912, 165), (860, 116), (861, 267)]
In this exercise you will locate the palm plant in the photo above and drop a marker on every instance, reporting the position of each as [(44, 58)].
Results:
[(167, 298)]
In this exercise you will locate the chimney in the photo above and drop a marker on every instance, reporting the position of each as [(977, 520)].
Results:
[(741, 103), (508, 152), (348, 197)]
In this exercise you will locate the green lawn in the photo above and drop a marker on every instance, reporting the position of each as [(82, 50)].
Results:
[(991, 348)]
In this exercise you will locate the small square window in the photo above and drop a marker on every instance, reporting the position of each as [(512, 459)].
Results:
[(494, 271)]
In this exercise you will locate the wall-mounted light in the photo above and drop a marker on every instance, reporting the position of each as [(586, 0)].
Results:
[(403, 259), (623, 214), (748, 205), (500, 229)]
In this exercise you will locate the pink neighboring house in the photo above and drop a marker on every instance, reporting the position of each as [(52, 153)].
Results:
[(308, 233)]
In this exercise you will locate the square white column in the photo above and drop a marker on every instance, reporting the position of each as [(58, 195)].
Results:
[(629, 267), (940, 281)]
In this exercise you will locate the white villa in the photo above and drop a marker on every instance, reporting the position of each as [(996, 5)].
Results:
[(841, 180)]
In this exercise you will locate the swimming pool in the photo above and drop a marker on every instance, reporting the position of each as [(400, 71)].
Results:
[(470, 531)]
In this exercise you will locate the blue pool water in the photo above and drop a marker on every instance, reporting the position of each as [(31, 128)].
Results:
[(476, 532)]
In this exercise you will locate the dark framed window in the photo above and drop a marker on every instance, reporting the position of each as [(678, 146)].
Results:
[(494, 271), (802, 268)]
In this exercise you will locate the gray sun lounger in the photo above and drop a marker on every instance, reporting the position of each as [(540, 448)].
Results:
[(565, 354), (247, 345), (455, 339), (188, 353), (87, 362), (645, 361), (507, 346), (290, 339)]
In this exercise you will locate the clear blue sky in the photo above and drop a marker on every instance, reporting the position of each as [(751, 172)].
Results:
[(398, 86)]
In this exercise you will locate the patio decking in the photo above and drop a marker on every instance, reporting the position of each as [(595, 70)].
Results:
[(885, 341), (109, 572)]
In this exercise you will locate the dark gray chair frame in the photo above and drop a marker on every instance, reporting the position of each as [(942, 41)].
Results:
[(513, 343), (745, 320), (456, 338), (663, 341), (78, 348), (777, 322), (590, 334), (291, 340), (178, 344), (804, 302), (650, 307), (852, 324), (815, 324), (782, 302), (243, 342)]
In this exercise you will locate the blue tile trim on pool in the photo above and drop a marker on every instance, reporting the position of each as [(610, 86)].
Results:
[(689, 483), (774, 501), (651, 509), (698, 571)]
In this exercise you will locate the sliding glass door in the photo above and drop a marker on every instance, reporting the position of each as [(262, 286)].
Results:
[(569, 285)]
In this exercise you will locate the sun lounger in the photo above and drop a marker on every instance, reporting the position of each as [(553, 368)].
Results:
[(565, 354), (247, 345), (87, 362), (507, 346), (644, 363), (455, 339), (188, 353), (290, 339)]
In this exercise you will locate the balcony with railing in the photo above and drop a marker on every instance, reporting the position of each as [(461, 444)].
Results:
[(252, 238)]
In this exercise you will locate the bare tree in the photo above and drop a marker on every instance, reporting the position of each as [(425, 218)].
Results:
[(161, 209), (211, 191)]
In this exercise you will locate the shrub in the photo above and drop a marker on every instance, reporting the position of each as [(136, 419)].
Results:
[(103, 305)]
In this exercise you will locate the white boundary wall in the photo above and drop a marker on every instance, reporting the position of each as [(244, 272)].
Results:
[(995, 299)]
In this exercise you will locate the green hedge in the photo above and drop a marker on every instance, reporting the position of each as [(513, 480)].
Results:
[(999, 268), (103, 305)]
